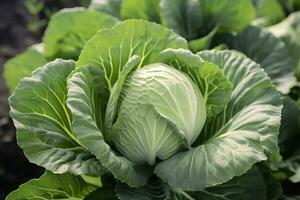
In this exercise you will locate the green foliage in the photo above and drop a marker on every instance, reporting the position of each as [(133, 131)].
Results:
[(196, 20), (43, 122), (110, 49), (140, 10), (52, 186), (139, 108), (268, 12), (70, 29), (67, 33), (268, 51), (35, 7), (112, 7), (289, 32), (233, 130), (22, 66)]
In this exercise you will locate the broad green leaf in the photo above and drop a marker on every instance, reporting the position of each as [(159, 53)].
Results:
[(199, 20), (142, 9), (268, 51), (87, 97), (249, 186), (256, 94), (209, 165), (268, 11), (289, 32), (203, 42), (70, 29), (21, 66), (43, 122), (215, 88), (183, 16), (110, 49), (171, 109), (230, 15), (53, 187), (87, 91), (114, 102), (244, 133), (93, 180), (112, 7)]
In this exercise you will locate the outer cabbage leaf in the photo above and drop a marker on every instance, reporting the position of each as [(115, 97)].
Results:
[(236, 189), (235, 139), (69, 30), (289, 32), (183, 16), (242, 187), (268, 12), (246, 97), (43, 122), (268, 51), (110, 49), (21, 66), (52, 186), (203, 42), (114, 100), (142, 9), (87, 97), (215, 88), (112, 7), (187, 18), (231, 15)]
